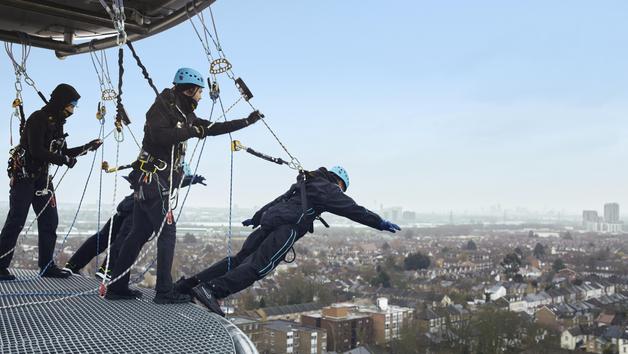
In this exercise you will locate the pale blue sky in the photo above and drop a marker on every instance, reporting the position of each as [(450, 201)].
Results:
[(431, 105)]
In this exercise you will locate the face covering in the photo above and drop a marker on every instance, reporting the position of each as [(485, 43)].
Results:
[(65, 113)]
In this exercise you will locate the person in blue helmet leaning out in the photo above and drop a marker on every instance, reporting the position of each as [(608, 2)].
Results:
[(170, 122), (279, 224)]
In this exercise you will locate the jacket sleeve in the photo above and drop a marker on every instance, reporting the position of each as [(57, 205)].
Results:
[(158, 122), (258, 215), (219, 128), (76, 151), (37, 144), (341, 204)]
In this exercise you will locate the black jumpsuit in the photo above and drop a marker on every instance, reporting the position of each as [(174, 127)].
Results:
[(282, 223), (42, 128), (97, 243), (168, 124)]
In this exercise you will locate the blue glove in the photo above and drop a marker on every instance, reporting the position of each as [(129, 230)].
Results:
[(249, 222), (198, 179), (389, 226)]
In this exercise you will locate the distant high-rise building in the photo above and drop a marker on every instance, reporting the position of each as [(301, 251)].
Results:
[(611, 213), (589, 216)]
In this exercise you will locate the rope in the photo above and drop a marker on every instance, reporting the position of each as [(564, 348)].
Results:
[(143, 68), (229, 229), (107, 92), (216, 40), (65, 238), (113, 213), (20, 67), (52, 196), (102, 159)]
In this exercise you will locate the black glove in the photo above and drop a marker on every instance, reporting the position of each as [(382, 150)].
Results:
[(69, 161), (198, 179), (254, 117), (93, 145), (198, 131)]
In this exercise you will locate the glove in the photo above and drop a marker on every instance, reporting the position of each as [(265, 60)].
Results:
[(249, 222), (198, 179), (93, 145), (389, 226), (254, 117), (69, 161), (198, 131)]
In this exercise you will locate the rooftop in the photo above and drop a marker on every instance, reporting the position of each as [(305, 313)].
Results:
[(37, 316)]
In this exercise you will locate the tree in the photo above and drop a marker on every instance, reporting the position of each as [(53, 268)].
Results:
[(471, 246), (566, 236), (519, 251), (558, 265), (531, 234), (385, 247), (539, 251), (415, 261), (511, 264), (189, 238), (382, 278)]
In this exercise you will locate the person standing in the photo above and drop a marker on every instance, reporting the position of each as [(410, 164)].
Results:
[(43, 142)]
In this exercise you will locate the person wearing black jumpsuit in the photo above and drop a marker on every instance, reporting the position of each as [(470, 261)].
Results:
[(41, 143), (97, 243), (170, 122), (281, 222)]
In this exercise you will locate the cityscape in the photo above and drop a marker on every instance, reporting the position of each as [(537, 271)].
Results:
[(489, 284)]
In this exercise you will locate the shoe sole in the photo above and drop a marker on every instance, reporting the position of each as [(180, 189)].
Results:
[(201, 296), (7, 278)]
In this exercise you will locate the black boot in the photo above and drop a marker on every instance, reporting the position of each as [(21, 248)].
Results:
[(126, 294), (54, 272), (172, 297), (203, 294), (72, 269), (6, 275), (102, 274), (184, 286)]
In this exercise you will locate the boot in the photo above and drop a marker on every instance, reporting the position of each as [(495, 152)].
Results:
[(172, 297), (6, 275), (184, 286), (54, 272), (203, 294)]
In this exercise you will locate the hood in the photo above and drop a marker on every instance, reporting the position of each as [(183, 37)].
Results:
[(60, 97), (322, 172)]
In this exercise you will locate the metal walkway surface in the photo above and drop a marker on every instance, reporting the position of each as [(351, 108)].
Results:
[(90, 324)]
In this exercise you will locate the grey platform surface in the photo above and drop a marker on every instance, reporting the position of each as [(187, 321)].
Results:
[(89, 324)]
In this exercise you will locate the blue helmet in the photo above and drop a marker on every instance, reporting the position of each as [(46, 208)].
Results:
[(342, 174), (188, 76)]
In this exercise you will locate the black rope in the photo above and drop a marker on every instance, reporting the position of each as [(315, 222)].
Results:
[(22, 119), (144, 71), (120, 111), (41, 95)]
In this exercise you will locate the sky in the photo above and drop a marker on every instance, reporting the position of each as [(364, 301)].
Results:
[(429, 105)]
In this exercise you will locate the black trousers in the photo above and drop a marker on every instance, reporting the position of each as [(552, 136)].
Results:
[(147, 218), (262, 252), (21, 197), (97, 243)]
